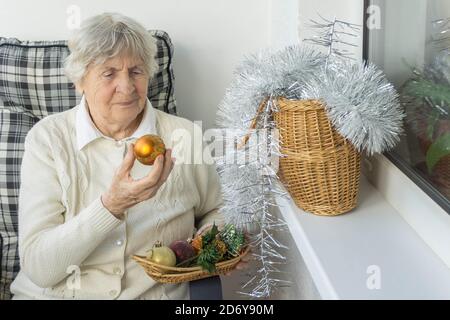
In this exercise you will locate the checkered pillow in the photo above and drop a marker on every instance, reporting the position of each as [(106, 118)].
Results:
[(33, 86), (32, 78), (14, 127)]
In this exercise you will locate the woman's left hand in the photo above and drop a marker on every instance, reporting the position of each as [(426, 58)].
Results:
[(243, 264)]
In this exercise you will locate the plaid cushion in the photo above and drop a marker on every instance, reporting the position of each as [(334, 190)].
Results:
[(14, 127), (32, 79), (161, 88), (33, 86)]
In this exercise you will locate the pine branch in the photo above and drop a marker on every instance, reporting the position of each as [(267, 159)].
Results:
[(209, 236), (208, 258)]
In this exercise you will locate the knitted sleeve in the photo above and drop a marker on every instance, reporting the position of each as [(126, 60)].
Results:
[(49, 245)]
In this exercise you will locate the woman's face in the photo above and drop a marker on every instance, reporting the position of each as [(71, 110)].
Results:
[(116, 90)]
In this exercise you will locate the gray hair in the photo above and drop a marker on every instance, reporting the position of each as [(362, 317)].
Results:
[(105, 36)]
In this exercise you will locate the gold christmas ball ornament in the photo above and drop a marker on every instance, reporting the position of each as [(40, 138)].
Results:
[(148, 147)]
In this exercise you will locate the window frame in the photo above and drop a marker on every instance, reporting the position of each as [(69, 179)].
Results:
[(393, 157)]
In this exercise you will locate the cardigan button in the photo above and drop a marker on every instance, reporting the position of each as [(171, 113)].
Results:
[(113, 293), (117, 271), (119, 242)]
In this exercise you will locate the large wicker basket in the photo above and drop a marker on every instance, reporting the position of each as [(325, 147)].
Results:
[(321, 169), (165, 274)]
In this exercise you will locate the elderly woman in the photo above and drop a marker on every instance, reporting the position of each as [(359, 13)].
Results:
[(85, 204)]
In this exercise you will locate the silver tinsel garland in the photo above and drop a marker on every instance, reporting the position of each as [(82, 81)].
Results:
[(333, 33), (360, 102), (249, 186), (266, 73)]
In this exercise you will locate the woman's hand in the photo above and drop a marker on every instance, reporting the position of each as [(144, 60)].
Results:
[(243, 264), (125, 192)]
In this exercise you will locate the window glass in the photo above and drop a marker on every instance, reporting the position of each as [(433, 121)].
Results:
[(412, 45)]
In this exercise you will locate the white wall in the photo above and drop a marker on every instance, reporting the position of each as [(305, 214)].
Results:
[(210, 37)]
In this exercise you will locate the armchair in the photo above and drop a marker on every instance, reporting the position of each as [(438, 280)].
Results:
[(33, 86)]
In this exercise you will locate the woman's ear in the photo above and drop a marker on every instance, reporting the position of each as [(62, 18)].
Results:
[(79, 87)]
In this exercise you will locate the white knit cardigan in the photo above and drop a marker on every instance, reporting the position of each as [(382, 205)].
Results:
[(71, 246)]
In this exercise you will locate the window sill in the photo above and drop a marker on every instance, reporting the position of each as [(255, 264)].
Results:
[(339, 250), (422, 213)]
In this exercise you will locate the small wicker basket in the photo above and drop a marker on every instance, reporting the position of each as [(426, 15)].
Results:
[(321, 169), (166, 274)]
